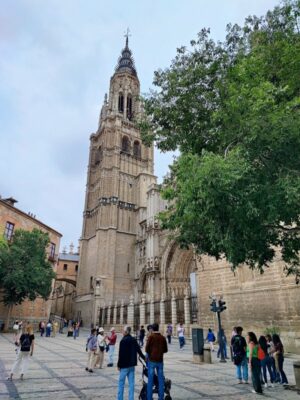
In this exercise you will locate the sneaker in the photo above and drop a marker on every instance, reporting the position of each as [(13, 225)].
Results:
[(86, 369), (90, 370), (110, 365), (246, 382), (272, 384), (239, 381), (266, 385), (285, 384), (254, 391)]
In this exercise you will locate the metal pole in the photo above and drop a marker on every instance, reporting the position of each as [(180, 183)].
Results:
[(221, 341)]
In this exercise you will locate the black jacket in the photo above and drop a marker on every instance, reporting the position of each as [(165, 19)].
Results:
[(128, 352)]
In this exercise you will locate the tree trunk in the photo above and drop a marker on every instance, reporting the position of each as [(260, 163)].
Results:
[(9, 310)]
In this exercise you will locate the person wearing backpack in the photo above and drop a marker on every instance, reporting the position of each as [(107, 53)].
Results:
[(91, 348), (239, 346), (26, 343), (211, 339)]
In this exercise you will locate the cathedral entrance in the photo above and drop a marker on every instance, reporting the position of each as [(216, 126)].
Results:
[(179, 285)]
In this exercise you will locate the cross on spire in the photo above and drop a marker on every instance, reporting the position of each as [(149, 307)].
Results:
[(127, 34)]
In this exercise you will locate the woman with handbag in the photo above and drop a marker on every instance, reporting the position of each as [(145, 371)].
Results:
[(254, 362), (101, 341)]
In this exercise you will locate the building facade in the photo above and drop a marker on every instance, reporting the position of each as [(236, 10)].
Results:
[(130, 270), (64, 289), (12, 218)]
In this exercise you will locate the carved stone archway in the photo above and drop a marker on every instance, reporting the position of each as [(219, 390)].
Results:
[(176, 266)]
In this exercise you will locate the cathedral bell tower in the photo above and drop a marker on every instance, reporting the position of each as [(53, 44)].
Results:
[(119, 172)]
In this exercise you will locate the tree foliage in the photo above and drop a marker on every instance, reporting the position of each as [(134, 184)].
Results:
[(232, 108), (25, 272)]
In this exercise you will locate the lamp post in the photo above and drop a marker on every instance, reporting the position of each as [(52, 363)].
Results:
[(217, 306)]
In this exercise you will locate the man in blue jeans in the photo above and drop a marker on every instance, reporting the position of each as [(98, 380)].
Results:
[(155, 348), (239, 345), (127, 361)]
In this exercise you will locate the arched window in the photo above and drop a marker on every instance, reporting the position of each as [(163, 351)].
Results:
[(129, 107), (121, 103), (125, 144), (137, 149)]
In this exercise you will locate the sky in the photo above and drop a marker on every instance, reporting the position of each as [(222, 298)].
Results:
[(57, 57)]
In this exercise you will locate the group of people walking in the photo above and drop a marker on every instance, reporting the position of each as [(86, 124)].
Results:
[(97, 345)]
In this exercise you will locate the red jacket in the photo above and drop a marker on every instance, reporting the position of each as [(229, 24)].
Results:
[(112, 338)]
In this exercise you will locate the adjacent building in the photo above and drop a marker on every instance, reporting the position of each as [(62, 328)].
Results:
[(65, 283), (12, 218)]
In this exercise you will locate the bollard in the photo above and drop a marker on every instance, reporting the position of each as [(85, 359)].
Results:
[(207, 354), (297, 374)]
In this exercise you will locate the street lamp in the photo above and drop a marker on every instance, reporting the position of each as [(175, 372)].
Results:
[(218, 306)]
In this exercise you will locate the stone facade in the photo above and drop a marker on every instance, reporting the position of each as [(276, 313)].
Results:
[(133, 272), (11, 218)]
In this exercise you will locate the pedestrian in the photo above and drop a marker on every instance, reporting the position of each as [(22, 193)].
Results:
[(239, 346), (180, 333), (91, 348), (169, 333), (127, 361), (112, 338), (156, 346), (26, 343), (271, 351), (265, 360), (254, 362), (76, 330), (101, 341), (211, 339), (222, 343), (279, 353), (16, 330), (54, 328), (142, 335), (42, 328), (233, 333), (48, 329)]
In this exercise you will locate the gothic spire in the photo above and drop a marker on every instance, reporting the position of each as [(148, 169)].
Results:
[(126, 61)]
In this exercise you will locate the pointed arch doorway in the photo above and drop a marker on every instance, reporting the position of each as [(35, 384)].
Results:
[(179, 285)]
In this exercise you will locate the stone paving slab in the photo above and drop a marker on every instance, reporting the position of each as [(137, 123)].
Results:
[(57, 371)]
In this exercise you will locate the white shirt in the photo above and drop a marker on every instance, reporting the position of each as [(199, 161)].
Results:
[(180, 331)]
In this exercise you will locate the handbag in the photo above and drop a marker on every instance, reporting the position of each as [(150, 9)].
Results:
[(107, 348), (102, 348)]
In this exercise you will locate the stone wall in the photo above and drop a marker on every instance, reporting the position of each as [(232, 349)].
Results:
[(253, 301)]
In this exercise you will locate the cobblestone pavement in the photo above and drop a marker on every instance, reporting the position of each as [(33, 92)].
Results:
[(57, 371)]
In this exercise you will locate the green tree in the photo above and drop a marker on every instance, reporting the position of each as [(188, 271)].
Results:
[(233, 111), (25, 272)]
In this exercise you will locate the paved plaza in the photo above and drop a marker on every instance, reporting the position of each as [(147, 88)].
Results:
[(57, 371)]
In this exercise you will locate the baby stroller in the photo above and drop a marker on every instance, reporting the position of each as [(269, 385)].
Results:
[(143, 392)]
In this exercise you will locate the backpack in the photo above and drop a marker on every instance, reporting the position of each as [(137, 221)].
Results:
[(260, 353), (25, 344), (213, 338), (238, 350)]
